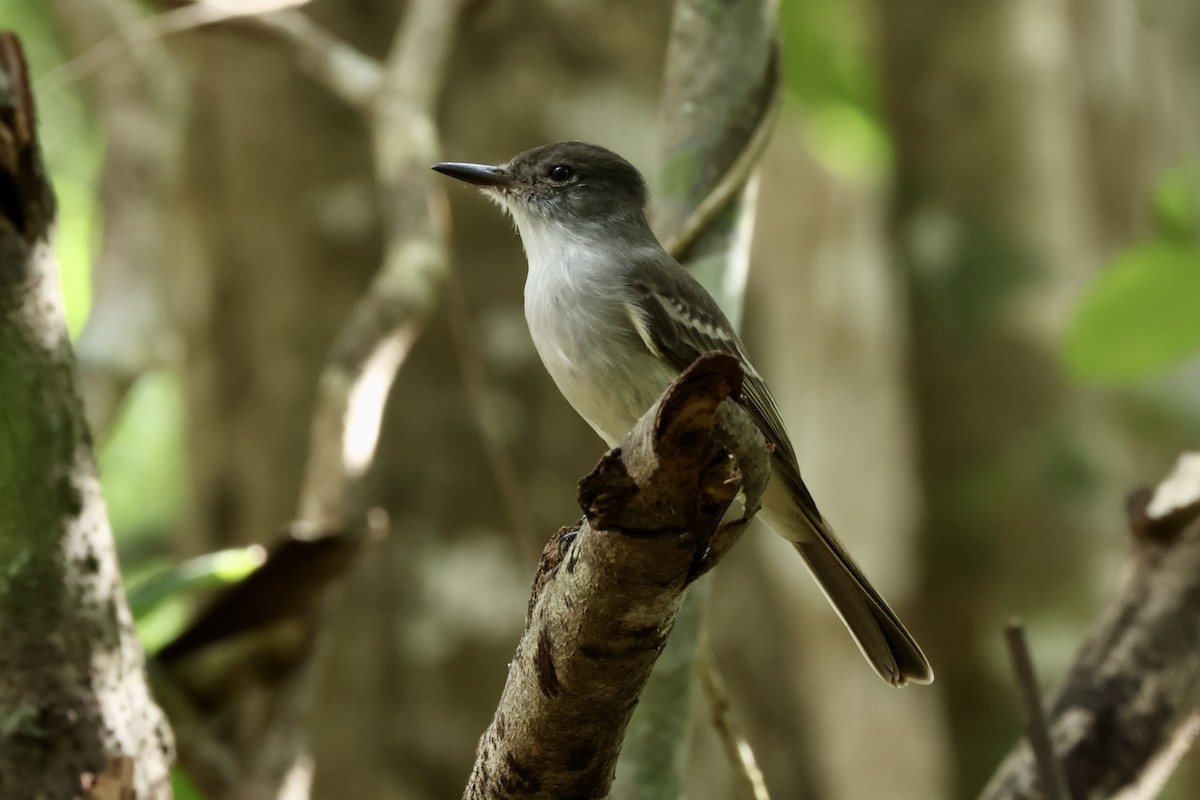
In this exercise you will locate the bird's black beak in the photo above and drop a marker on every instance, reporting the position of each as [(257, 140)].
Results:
[(478, 174)]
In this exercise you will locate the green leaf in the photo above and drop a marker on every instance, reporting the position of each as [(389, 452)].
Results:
[(1140, 317), (1177, 202), (142, 467), (203, 572), (160, 602), (182, 786), (73, 147)]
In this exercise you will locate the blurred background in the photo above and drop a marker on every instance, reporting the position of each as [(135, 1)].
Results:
[(973, 289)]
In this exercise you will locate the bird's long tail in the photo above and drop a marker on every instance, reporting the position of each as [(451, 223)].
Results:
[(877, 631), (879, 634)]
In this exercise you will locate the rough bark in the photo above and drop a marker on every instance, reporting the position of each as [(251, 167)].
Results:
[(73, 693), (607, 592), (1129, 707)]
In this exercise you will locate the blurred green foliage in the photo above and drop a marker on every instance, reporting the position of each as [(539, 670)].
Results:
[(829, 73), (161, 601), (1177, 203), (73, 147), (142, 463), (182, 787), (1139, 318)]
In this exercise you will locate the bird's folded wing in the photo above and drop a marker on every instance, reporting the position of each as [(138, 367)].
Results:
[(679, 322)]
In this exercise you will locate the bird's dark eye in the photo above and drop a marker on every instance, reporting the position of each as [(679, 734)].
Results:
[(561, 173)]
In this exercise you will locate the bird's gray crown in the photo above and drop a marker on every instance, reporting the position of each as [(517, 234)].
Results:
[(567, 181)]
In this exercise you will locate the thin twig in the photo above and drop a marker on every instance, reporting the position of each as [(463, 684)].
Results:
[(348, 73), (749, 778), (1049, 769), (153, 28), (475, 384)]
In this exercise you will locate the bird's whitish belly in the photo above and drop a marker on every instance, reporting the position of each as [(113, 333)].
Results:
[(610, 379)]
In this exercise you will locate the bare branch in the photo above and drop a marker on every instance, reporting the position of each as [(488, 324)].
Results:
[(1128, 708), (151, 29), (398, 101), (345, 71), (1049, 771), (749, 777), (607, 593), (387, 320)]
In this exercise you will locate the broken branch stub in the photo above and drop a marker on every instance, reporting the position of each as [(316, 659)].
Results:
[(607, 593)]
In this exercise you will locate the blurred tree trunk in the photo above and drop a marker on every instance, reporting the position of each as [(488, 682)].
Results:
[(278, 235), (1026, 147), (831, 327), (281, 235)]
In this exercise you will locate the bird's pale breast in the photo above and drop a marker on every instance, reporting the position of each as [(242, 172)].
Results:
[(582, 331)]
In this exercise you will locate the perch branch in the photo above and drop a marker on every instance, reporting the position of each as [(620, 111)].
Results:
[(1130, 704), (607, 593)]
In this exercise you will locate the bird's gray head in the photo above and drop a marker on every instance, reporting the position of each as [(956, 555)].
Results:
[(573, 184)]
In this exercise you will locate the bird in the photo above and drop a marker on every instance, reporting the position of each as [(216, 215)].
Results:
[(615, 318)]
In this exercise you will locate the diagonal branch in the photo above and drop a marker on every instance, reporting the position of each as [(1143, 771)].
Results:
[(387, 320), (747, 775), (607, 592), (1038, 732)]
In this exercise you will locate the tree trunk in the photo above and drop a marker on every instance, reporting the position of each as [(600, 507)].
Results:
[(1010, 120), (831, 323), (73, 692)]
